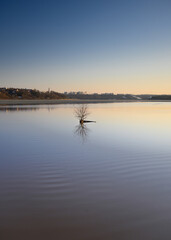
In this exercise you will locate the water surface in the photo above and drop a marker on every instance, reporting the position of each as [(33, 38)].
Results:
[(110, 180)]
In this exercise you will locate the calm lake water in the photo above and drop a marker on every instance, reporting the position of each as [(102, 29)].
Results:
[(110, 180)]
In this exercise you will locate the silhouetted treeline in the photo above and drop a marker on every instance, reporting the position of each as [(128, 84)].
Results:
[(19, 93), (101, 96), (161, 97), (108, 96)]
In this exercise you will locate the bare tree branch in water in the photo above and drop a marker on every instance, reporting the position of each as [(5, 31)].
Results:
[(81, 112)]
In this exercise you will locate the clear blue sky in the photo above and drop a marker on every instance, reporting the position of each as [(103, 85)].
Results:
[(95, 46)]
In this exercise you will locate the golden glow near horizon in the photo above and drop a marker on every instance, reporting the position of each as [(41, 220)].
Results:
[(141, 76), (104, 80)]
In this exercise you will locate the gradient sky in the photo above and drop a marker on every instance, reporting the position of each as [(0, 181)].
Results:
[(121, 46)]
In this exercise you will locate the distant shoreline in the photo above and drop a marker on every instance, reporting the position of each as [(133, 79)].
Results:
[(57, 101), (68, 101)]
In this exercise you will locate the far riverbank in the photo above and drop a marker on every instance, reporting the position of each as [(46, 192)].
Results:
[(61, 101), (68, 101)]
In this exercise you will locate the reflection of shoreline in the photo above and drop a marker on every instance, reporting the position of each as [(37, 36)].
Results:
[(18, 109), (67, 101), (23, 108)]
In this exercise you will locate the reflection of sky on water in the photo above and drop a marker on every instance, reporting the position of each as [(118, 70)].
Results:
[(117, 179), (140, 125)]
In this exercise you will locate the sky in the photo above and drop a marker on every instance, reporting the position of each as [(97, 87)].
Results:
[(119, 46)]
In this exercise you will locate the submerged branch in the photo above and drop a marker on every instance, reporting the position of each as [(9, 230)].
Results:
[(81, 113)]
